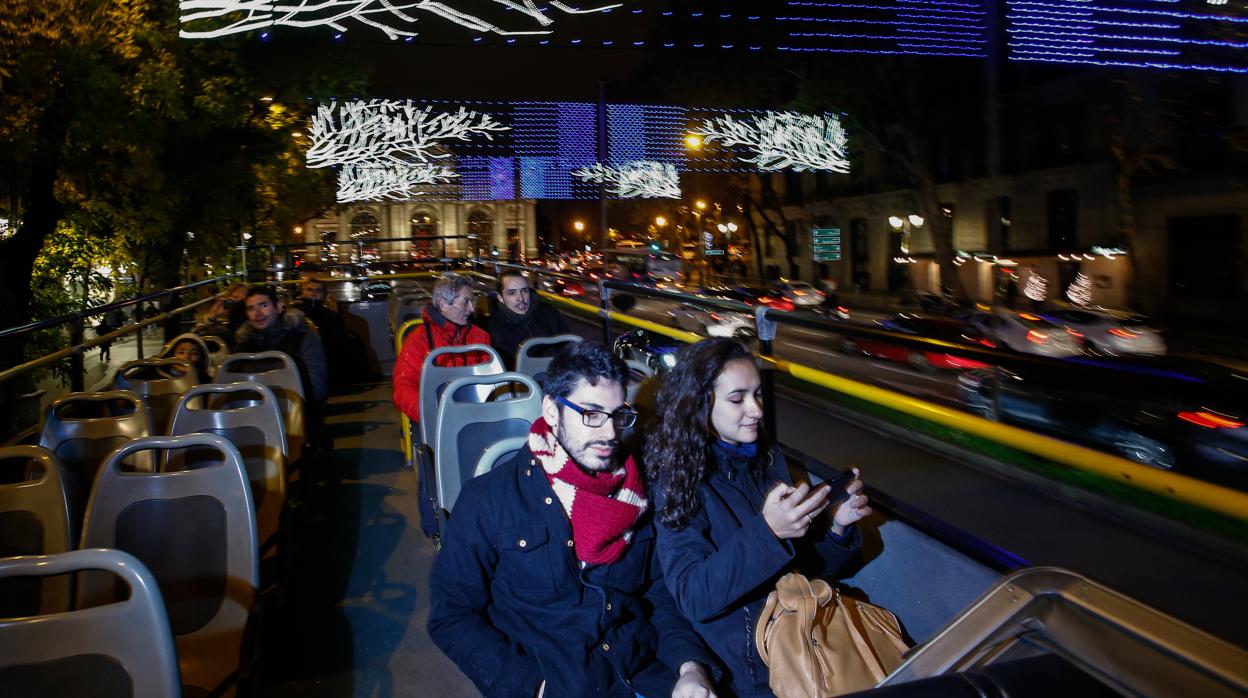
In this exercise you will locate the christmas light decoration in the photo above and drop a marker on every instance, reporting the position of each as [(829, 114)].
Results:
[(1036, 288), (1080, 291), (388, 182), (380, 132), (206, 19), (782, 140), (642, 179)]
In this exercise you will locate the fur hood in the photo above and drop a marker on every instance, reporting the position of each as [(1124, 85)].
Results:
[(292, 320)]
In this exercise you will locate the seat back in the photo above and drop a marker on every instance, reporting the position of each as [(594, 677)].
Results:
[(279, 372), (406, 305), (196, 531), (249, 416), (535, 354), (35, 519), (218, 350), (405, 422), (82, 429), (434, 379), (499, 452), (123, 648), (157, 383), (467, 426)]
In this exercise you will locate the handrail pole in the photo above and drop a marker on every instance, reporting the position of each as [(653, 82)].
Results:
[(604, 302), (77, 367), (765, 329)]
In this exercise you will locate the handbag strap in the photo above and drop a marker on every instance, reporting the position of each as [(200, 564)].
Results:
[(853, 619)]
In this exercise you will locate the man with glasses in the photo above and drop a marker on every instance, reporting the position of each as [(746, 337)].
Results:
[(547, 583)]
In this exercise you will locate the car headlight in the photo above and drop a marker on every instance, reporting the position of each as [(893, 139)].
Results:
[(669, 360)]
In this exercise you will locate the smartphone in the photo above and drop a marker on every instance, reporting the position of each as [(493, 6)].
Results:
[(838, 485)]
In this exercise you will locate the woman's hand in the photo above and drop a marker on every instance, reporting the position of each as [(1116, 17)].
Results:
[(789, 510), (852, 510), (693, 683)]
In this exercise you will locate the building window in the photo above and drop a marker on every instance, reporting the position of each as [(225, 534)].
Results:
[(480, 231), (1063, 217), (365, 225), (424, 224)]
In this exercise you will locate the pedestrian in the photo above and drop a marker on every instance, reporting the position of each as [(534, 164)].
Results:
[(102, 328)]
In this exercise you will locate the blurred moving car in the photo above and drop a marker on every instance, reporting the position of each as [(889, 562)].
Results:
[(944, 329), (800, 293), (1105, 333), (1203, 436), (650, 348), (563, 287), (1026, 332), (712, 322)]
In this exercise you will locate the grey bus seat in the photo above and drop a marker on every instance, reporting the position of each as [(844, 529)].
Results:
[(218, 351), (252, 421), (406, 305), (153, 380), (35, 519), (531, 363), (433, 380), (196, 531), (467, 427), (82, 429), (1113, 638), (499, 452), (278, 371), (124, 648)]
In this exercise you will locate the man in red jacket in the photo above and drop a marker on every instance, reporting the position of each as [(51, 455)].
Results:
[(448, 322)]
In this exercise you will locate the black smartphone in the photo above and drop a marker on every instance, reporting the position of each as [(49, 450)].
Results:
[(838, 485)]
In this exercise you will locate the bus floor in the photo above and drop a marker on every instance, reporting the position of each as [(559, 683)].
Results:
[(353, 619)]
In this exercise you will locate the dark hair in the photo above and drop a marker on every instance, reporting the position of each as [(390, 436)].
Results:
[(263, 291), (680, 437), (510, 273), (583, 360)]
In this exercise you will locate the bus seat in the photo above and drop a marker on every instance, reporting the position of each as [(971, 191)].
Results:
[(249, 416), (468, 427), (196, 531), (82, 429), (433, 380), (535, 354), (218, 350), (35, 519), (499, 452), (406, 305), (123, 648), (279, 372), (155, 381), (1109, 636)]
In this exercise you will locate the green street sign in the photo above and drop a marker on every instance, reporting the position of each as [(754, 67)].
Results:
[(712, 253), (826, 244)]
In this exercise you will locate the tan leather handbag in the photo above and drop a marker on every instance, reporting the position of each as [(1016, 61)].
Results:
[(818, 643)]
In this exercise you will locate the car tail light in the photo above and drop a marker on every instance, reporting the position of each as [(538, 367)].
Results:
[(799, 293), (842, 310), (1123, 333), (715, 317), (1037, 337), (1029, 316), (1074, 333), (1210, 420)]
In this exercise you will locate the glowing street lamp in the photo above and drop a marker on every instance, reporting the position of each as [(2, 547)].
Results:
[(896, 221), (700, 204), (693, 141), (579, 226), (660, 221), (916, 220)]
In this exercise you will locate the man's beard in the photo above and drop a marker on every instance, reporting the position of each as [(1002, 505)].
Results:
[(581, 453)]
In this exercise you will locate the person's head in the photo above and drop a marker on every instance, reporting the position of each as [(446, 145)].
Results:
[(584, 403), (712, 394), (313, 291), (514, 291), (189, 351), (263, 307), (232, 297), (452, 296)]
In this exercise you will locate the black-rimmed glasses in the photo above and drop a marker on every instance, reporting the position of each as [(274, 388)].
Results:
[(623, 417)]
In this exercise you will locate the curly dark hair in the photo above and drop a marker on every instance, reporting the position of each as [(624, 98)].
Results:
[(680, 437), (583, 360)]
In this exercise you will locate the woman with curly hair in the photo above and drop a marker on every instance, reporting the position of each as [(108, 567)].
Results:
[(731, 519)]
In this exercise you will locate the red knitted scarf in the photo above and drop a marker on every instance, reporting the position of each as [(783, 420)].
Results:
[(602, 507)]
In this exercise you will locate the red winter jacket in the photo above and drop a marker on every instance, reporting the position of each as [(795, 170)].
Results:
[(411, 361)]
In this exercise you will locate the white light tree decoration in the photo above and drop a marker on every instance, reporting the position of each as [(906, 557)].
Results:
[(1036, 288), (381, 132), (1080, 291), (395, 18), (388, 182), (643, 179), (782, 140)]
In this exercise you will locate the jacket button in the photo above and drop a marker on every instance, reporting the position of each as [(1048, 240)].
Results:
[(523, 543), (608, 607), (528, 472), (570, 543), (606, 647), (549, 500)]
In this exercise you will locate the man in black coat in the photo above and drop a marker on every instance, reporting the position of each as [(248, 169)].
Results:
[(313, 303), (517, 314), (271, 327)]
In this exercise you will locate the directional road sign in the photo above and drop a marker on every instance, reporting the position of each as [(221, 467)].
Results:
[(826, 244)]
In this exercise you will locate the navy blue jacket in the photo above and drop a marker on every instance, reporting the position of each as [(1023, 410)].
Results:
[(511, 605), (722, 565)]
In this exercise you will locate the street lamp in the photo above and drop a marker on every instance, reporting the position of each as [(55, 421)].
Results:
[(579, 226), (896, 221), (693, 141), (660, 221), (916, 220)]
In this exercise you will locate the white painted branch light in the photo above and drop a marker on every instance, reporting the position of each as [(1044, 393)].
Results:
[(780, 140), (206, 19), (638, 179), (381, 132), (388, 182)]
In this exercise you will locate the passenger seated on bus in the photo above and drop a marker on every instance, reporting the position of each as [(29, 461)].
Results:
[(517, 314), (190, 348), (315, 303), (223, 318), (448, 322), (547, 582), (730, 520), (271, 327)]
